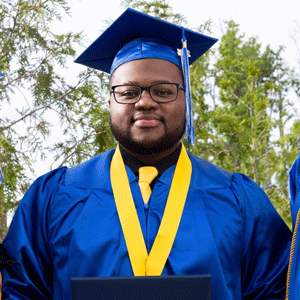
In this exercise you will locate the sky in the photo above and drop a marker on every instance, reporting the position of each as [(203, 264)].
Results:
[(272, 22)]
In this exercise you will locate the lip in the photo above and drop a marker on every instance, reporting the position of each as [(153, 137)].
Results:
[(147, 121)]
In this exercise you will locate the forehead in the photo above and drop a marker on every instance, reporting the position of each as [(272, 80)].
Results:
[(147, 71)]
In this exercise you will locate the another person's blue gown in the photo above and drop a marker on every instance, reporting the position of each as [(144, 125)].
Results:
[(294, 275), (67, 226)]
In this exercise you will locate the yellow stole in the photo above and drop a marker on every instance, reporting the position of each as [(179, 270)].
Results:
[(142, 264)]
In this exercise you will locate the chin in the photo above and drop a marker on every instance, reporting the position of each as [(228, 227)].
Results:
[(149, 146), (146, 143)]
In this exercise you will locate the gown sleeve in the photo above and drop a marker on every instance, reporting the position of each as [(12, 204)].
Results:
[(26, 243), (294, 181), (266, 242)]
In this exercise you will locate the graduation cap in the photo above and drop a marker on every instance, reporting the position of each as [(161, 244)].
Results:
[(135, 35)]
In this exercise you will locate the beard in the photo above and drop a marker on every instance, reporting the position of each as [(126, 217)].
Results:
[(146, 146)]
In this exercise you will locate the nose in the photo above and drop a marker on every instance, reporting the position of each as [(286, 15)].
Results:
[(146, 101)]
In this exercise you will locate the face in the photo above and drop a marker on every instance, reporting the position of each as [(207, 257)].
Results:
[(148, 127)]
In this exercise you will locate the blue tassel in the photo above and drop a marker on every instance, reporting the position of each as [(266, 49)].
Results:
[(1, 177), (189, 122)]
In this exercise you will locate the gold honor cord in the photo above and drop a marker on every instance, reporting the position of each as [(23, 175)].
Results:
[(142, 264), (292, 255)]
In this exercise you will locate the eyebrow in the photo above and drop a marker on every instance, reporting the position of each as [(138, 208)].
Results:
[(151, 83)]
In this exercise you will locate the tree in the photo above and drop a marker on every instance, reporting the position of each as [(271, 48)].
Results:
[(33, 60), (250, 122)]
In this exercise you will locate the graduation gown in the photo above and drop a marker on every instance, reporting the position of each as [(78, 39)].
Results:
[(67, 226), (294, 274)]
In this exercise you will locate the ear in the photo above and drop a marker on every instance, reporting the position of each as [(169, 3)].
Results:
[(108, 101)]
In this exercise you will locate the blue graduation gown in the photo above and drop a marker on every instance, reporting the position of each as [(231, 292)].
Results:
[(67, 226), (294, 278)]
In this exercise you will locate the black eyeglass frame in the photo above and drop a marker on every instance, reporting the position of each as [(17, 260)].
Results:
[(147, 88)]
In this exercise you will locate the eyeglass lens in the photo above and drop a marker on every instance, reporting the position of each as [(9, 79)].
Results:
[(164, 92)]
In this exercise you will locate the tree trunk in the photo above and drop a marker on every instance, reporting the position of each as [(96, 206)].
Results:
[(3, 222)]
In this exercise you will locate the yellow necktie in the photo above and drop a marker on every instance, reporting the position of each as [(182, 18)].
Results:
[(146, 175)]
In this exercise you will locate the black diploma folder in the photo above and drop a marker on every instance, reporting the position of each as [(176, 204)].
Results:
[(145, 288)]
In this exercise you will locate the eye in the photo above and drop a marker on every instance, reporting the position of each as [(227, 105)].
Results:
[(127, 92), (164, 91)]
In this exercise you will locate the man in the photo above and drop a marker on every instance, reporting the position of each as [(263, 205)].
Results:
[(293, 281), (99, 219)]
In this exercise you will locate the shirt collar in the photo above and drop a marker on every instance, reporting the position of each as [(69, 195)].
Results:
[(134, 164)]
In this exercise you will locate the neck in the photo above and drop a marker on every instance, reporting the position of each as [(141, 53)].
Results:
[(151, 159)]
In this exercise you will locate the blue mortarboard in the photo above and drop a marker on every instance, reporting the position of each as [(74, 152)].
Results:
[(135, 35)]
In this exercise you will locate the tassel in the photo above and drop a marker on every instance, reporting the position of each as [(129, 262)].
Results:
[(189, 122), (1, 177)]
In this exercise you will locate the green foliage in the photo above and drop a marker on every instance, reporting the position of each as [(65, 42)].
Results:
[(34, 60), (11, 165), (90, 133), (28, 58), (244, 119), (252, 115)]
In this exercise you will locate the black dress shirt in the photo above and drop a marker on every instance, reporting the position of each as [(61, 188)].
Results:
[(134, 164)]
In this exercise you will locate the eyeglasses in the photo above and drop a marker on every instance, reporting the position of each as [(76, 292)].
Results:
[(161, 93)]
